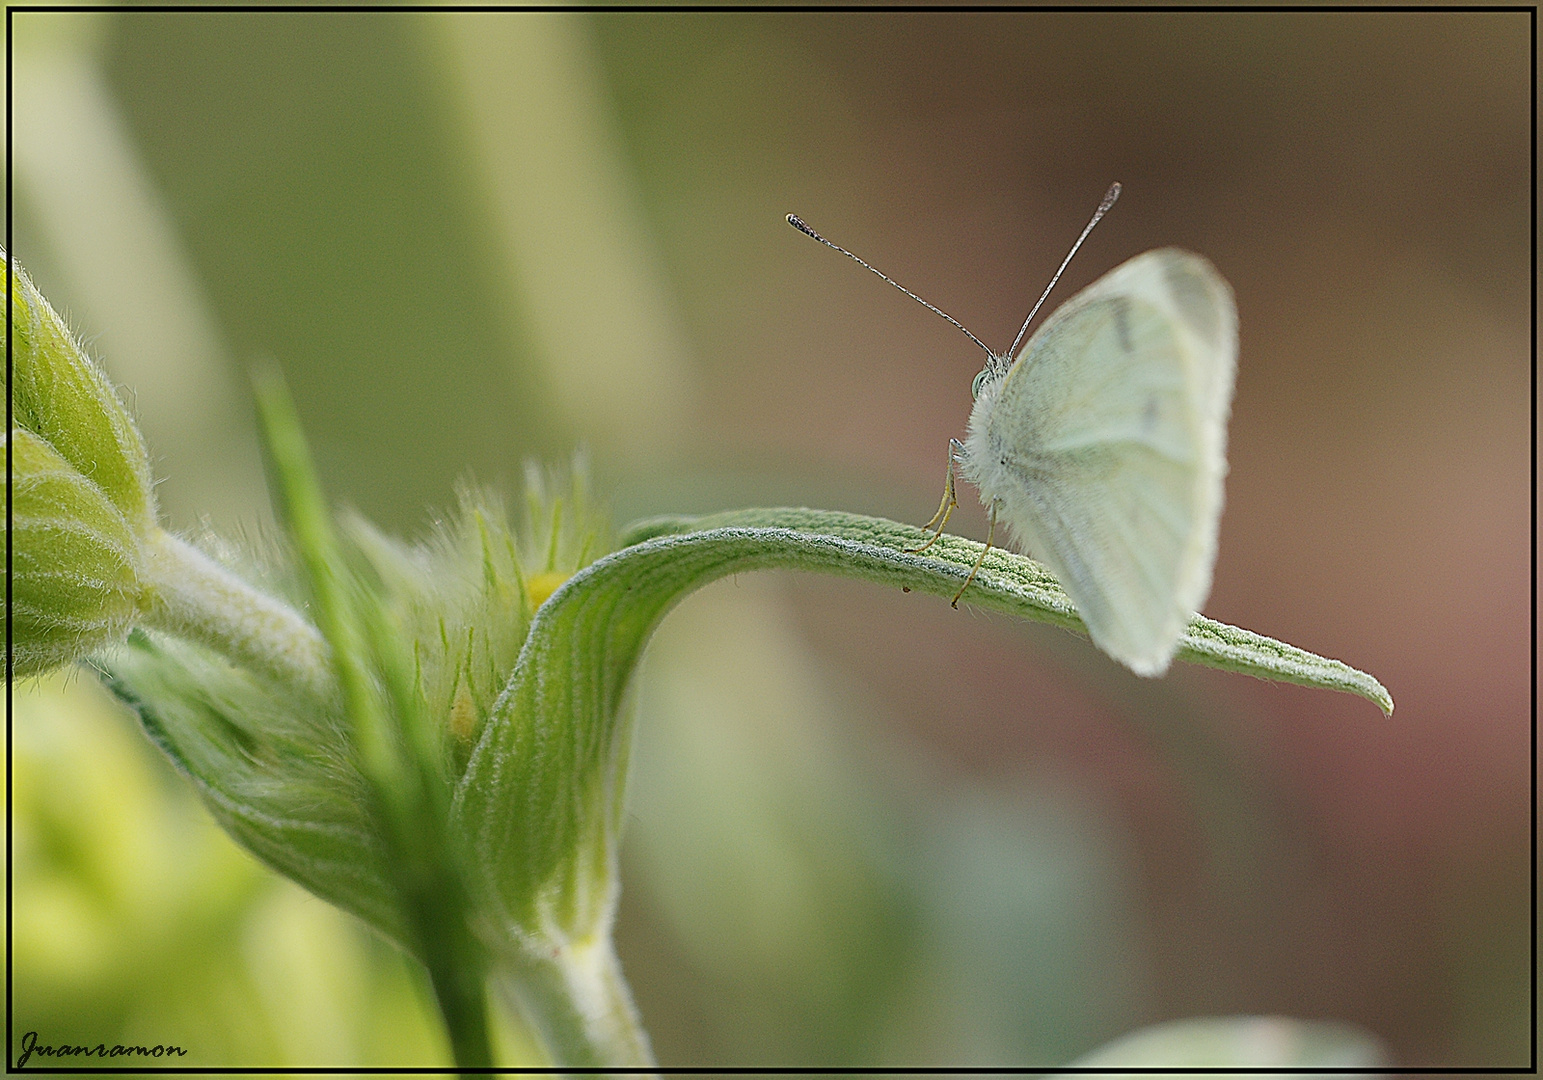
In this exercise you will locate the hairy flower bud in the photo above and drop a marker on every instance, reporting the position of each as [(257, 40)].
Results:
[(82, 499)]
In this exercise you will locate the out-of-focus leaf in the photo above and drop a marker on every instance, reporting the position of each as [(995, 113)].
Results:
[(1241, 1042)]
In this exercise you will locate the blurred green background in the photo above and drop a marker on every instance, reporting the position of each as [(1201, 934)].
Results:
[(865, 828)]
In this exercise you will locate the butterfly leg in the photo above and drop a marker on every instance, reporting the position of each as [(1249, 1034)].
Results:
[(990, 533), (946, 507)]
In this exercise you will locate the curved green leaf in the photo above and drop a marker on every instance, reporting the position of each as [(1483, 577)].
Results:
[(541, 797), (1017, 585)]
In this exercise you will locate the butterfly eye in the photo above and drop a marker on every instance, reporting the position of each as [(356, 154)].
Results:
[(975, 386)]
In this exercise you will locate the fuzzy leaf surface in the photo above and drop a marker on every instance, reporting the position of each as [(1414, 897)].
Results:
[(76, 559), (62, 396), (272, 763)]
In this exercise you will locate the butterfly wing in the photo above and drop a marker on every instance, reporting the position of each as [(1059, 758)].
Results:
[(1104, 448)]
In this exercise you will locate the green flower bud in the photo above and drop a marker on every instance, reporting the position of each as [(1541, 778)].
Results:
[(278, 758), (83, 504)]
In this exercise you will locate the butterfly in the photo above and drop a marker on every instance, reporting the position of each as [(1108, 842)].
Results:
[(1102, 446)]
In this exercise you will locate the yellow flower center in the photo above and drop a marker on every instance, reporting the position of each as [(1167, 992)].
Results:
[(541, 586)]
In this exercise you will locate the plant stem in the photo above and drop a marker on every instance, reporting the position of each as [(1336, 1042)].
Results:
[(461, 992), (574, 997), (195, 597)]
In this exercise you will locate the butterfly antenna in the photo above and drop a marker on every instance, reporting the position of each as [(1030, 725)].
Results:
[(799, 224), (1103, 208)]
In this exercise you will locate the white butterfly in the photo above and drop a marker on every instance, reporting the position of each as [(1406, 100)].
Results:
[(1103, 446)]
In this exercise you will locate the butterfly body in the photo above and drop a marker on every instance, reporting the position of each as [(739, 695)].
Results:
[(1103, 448)]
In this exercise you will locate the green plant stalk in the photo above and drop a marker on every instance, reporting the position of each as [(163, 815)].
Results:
[(310, 523), (194, 597), (457, 969), (576, 999), (433, 890), (408, 790)]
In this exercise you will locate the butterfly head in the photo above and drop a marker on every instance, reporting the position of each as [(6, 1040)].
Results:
[(996, 367)]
